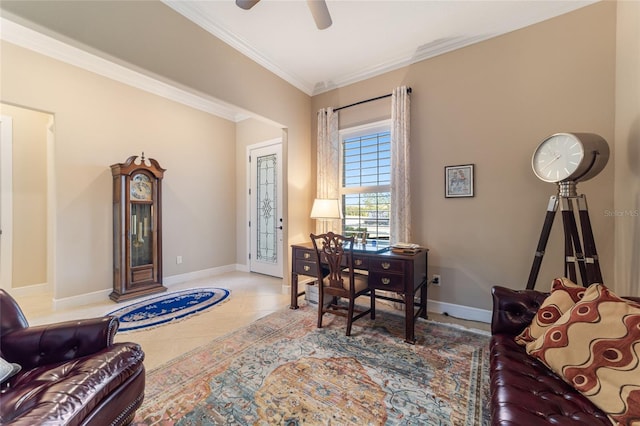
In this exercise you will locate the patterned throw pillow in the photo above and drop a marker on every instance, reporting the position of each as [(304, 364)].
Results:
[(595, 347), (564, 294)]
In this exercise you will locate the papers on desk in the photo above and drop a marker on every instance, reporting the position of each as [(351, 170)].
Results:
[(405, 248)]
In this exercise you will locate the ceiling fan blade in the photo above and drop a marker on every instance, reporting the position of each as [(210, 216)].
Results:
[(320, 13), (246, 4)]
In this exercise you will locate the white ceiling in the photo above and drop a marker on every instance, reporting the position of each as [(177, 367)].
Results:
[(367, 38)]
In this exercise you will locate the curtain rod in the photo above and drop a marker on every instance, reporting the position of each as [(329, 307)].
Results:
[(367, 100)]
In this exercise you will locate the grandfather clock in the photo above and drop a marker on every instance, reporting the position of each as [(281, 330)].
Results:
[(137, 228)]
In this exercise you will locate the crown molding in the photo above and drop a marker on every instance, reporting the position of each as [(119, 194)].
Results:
[(405, 59), (192, 12), (27, 38), (33, 40), (195, 13)]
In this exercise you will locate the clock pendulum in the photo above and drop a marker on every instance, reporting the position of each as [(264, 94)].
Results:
[(566, 159)]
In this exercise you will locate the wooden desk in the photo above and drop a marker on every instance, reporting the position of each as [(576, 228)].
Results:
[(403, 274)]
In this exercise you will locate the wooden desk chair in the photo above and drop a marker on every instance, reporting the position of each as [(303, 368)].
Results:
[(336, 252)]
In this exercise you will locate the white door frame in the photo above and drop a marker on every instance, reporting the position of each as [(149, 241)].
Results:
[(51, 206), (6, 201), (6, 209), (275, 269)]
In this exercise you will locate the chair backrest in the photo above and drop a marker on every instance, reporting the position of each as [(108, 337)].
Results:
[(336, 252)]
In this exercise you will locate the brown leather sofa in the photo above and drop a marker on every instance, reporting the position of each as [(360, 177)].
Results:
[(71, 372), (523, 390)]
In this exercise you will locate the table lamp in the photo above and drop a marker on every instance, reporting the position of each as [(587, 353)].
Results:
[(326, 209)]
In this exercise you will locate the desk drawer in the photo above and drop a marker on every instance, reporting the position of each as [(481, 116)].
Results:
[(360, 262), (386, 265), (309, 255), (305, 267), (385, 281)]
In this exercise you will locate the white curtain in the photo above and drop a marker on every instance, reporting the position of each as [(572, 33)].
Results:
[(328, 163), (400, 171)]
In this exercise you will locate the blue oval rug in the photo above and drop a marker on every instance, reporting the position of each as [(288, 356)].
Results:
[(167, 307)]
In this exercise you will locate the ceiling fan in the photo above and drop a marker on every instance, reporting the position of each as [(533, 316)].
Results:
[(318, 9)]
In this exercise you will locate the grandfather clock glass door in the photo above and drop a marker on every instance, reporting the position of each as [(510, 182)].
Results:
[(141, 228), (141, 236), (266, 225)]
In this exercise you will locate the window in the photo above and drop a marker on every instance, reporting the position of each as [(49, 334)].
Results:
[(366, 179)]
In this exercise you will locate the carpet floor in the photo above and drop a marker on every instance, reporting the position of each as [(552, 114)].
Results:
[(281, 369)]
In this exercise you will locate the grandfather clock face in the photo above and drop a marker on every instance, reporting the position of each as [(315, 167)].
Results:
[(141, 187)]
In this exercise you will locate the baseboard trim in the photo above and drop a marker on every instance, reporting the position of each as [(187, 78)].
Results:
[(80, 300), (30, 290), (459, 311), (101, 295), (203, 273), (242, 267)]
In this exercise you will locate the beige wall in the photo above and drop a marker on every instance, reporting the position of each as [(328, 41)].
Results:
[(626, 217), (491, 104), (100, 122), (29, 180)]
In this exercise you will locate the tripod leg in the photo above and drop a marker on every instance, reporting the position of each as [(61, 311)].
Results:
[(571, 243), (569, 258), (542, 243), (594, 274)]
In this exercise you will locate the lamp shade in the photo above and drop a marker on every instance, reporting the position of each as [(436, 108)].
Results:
[(326, 208)]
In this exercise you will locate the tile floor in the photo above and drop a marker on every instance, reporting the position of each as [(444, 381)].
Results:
[(252, 296)]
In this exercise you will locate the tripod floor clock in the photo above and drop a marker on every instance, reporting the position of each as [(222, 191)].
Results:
[(566, 159)]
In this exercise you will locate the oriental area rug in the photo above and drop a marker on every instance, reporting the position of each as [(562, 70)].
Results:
[(168, 307), (283, 370)]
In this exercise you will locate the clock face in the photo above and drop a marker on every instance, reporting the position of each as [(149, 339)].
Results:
[(141, 188), (557, 157)]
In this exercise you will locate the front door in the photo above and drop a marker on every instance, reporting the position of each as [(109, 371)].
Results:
[(266, 224)]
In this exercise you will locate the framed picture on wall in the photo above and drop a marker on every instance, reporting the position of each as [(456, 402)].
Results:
[(458, 181)]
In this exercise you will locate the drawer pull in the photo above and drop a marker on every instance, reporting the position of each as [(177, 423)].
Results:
[(358, 262), (306, 268), (385, 281), (307, 255), (386, 265)]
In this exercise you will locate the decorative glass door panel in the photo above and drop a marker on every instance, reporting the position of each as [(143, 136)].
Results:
[(266, 243), (267, 208), (141, 234)]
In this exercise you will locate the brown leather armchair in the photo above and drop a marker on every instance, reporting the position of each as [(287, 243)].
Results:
[(71, 372)]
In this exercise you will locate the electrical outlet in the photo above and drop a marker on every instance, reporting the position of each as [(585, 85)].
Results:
[(435, 280), (178, 260)]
